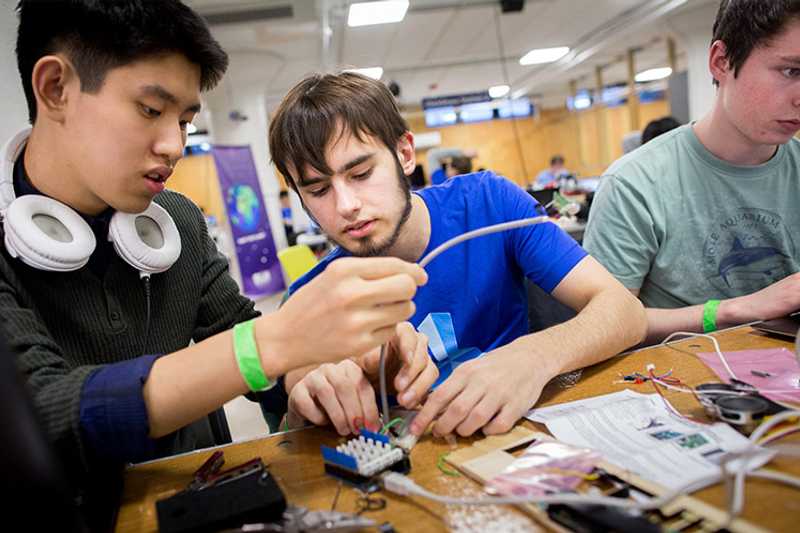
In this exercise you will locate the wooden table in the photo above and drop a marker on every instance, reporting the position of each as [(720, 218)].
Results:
[(295, 461)]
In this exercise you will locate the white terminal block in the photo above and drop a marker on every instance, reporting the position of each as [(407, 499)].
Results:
[(370, 455)]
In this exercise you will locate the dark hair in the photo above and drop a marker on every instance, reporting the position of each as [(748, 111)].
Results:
[(462, 164), (417, 178), (746, 24), (284, 194), (557, 160), (657, 127), (99, 35), (314, 110)]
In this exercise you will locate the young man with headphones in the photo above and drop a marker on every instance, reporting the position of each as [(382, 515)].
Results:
[(106, 278)]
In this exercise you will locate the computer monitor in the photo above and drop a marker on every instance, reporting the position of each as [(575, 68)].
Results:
[(37, 495)]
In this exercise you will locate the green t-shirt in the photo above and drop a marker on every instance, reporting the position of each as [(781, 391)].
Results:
[(683, 226)]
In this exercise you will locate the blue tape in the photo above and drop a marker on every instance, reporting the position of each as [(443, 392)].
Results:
[(443, 345)]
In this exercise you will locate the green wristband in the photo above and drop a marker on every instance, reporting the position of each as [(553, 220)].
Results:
[(710, 316), (248, 358)]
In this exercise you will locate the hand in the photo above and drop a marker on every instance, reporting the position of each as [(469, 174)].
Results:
[(342, 393), (351, 307), (491, 392), (410, 372), (338, 393), (779, 299)]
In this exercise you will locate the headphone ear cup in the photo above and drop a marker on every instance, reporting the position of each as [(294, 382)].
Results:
[(148, 241), (46, 234)]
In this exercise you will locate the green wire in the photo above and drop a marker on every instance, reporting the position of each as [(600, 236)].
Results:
[(391, 423), (443, 468)]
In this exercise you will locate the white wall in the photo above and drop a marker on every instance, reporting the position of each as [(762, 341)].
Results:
[(13, 109), (694, 30)]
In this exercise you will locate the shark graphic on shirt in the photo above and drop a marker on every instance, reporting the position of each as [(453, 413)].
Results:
[(757, 260)]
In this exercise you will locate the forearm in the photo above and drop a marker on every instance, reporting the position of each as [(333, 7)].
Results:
[(611, 322), (662, 322), (190, 383)]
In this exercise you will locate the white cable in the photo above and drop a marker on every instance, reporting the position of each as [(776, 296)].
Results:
[(737, 497), (716, 348), (403, 485), (780, 477)]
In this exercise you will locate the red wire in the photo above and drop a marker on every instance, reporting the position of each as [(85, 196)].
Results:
[(669, 406)]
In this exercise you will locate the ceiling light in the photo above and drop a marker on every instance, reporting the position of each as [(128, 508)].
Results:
[(499, 91), (367, 13), (191, 128), (372, 72), (544, 55), (653, 74)]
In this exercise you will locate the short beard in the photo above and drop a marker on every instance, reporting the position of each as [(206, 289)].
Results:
[(368, 247)]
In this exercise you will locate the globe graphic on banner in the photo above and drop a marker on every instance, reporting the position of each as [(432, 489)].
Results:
[(243, 207)]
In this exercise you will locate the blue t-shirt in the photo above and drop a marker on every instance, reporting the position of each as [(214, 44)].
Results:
[(478, 286), (438, 177)]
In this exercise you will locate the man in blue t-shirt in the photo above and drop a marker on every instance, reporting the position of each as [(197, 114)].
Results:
[(342, 144)]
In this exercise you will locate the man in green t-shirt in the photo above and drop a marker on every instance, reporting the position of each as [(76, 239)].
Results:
[(699, 223)]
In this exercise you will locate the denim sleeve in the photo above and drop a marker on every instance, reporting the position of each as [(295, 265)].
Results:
[(113, 416)]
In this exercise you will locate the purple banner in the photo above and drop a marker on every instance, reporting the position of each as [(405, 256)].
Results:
[(252, 236)]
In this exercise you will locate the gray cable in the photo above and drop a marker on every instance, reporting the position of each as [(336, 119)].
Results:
[(430, 257), (479, 233), (384, 394)]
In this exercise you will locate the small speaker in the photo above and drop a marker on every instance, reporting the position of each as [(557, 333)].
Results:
[(511, 6)]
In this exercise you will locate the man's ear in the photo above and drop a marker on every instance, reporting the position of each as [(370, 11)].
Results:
[(51, 79), (406, 154), (718, 63)]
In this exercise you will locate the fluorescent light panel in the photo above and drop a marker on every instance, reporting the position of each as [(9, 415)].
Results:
[(544, 55), (371, 72), (653, 74), (498, 91), (368, 13)]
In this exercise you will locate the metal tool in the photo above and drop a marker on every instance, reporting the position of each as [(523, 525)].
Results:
[(302, 520)]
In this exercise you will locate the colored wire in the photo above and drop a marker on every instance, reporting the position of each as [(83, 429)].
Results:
[(391, 423), (442, 466), (655, 383), (772, 437)]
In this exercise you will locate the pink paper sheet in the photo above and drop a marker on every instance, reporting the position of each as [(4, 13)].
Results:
[(782, 385)]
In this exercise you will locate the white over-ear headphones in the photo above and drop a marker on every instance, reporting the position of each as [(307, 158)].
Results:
[(48, 235)]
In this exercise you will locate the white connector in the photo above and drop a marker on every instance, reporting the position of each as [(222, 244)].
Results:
[(398, 483)]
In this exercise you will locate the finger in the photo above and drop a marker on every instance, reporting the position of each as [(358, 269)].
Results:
[(325, 395), (505, 420), (415, 361), (479, 416), (397, 288), (458, 410), (419, 387), (371, 268), (301, 403), (437, 401), (347, 393), (366, 396), (388, 316)]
